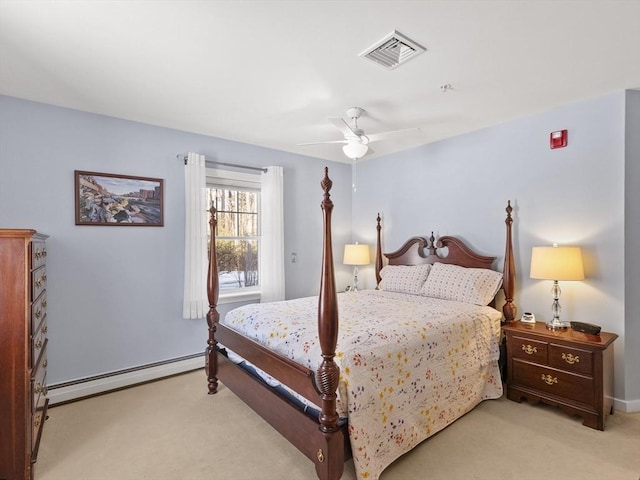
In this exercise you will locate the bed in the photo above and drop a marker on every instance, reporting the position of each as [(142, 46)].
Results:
[(410, 357)]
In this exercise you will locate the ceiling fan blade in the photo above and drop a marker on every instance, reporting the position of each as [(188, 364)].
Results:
[(383, 135), (320, 143), (343, 126)]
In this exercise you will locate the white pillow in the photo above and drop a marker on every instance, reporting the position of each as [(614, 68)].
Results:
[(404, 278), (468, 285)]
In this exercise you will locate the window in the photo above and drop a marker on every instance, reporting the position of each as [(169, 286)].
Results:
[(236, 197)]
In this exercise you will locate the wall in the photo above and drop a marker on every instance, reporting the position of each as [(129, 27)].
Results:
[(574, 195), (632, 246), (115, 293)]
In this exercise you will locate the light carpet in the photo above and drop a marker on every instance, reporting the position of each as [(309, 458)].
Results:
[(172, 430)]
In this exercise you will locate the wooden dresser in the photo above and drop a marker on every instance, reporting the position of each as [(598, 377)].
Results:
[(564, 368), (23, 350)]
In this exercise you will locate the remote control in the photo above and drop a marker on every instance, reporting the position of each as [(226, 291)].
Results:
[(586, 328)]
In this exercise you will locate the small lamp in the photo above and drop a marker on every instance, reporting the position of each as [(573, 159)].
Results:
[(556, 263), (356, 254)]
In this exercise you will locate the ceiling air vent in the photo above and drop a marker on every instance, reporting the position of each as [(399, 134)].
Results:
[(393, 50)]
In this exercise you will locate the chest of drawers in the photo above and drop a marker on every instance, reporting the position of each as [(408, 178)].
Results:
[(564, 368), (23, 350)]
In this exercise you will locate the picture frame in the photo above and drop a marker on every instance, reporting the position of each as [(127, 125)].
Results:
[(108, 199)]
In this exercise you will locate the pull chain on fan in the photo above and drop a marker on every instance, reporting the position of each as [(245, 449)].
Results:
[(353, 174)]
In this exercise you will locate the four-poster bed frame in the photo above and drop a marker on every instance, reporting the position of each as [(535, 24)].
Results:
[(324, 440)]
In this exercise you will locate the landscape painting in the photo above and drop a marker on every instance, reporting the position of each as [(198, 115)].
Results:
[(118, 200)]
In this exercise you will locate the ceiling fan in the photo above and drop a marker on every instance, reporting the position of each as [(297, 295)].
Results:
[(356, 142)]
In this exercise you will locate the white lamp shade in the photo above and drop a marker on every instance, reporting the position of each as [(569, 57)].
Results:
[(355, 150), (557, 263), (356, 254)]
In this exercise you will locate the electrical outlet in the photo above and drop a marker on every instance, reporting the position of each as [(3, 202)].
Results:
[(294, 257)]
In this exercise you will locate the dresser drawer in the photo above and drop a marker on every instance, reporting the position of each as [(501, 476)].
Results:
[(556, 382), (38, 422), (38, 281), (571, 359), (39, 341), (528, 349), (39, 389), (38, 312), (40, 367), (40, 402), (38, 254)]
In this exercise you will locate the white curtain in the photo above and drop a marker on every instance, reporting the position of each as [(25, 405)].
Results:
[(272, 236), (195, 303)]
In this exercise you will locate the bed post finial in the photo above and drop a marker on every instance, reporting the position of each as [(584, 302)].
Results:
[(432, 244), (378, 253), (508, 276), (213, 317), (326, 185)]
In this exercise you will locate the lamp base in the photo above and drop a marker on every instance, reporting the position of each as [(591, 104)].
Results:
[(557, 325)]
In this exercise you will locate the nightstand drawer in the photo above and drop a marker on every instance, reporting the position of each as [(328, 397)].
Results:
[(571, 359), (528, 349), (555, 382)]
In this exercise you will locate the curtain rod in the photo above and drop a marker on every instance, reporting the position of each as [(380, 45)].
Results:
[(209, 162)]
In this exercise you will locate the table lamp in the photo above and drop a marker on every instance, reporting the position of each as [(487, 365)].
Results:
[(556, 263), (356, 254)]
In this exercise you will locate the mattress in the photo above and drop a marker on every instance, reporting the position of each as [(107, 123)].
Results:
[(410, 365)]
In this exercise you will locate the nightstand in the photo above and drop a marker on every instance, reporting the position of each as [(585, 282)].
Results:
[(564, 368)]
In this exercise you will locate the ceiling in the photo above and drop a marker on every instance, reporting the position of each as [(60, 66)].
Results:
[(270, 73)]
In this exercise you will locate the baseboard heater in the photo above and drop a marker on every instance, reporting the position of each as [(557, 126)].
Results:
[(90, 386)]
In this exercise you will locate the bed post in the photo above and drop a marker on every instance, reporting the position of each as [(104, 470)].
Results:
[(378, 253), (508, 279), (213, 290), (330, 457)]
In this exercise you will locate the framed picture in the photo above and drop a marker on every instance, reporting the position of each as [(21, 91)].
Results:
[(118, 200)]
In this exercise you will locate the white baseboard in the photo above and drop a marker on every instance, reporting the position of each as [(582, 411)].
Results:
[(627, 406), (92, 386)]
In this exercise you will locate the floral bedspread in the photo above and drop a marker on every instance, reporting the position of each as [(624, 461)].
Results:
[(405, 375)]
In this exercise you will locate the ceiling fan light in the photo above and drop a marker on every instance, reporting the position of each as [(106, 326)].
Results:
[(355, 150)]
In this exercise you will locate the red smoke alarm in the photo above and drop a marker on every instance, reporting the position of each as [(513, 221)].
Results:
[(558, 139)]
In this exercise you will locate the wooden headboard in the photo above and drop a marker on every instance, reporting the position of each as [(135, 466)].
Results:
[(420, 250)]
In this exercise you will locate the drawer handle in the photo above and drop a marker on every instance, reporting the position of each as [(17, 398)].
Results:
[(38, 313), (45, 329), (46, 362), (39, 254), (39, 344), (529, 350), (44, 302), (37, 420), (548, 379), (39, 282), (570, 359), (38, 388)]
